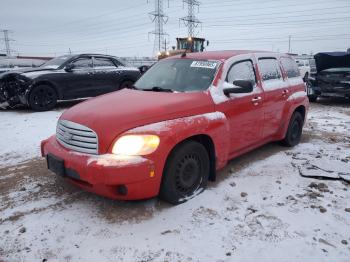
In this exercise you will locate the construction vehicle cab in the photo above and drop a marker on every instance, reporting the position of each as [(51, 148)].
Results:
[(185, 45), (192, 44)]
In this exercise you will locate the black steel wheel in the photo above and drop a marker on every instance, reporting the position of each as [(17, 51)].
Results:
[(294, 131), (42, 98), (186, 173)]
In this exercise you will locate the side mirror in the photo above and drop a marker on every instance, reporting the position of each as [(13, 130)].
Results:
[(69, 67), (241, 86)]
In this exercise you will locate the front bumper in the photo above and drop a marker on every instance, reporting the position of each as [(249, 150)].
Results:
[(106, 174)]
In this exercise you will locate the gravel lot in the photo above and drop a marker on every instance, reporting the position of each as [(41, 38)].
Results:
[(260, 209)]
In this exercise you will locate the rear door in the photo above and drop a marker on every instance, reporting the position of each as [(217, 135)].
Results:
[(106, 75), (294, 78), (276, 94), (244, 111)]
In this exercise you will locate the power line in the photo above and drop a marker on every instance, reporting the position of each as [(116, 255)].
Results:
[(327, 20), (96, 25), (90, 19), (278, 7), (335, 36), (289, 15)]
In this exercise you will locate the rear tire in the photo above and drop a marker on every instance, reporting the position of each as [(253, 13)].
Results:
[(186, 173), (42, 98), (294, 131), (126, 84)]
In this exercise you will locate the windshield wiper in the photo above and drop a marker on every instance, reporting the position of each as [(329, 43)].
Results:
[(158, 89)]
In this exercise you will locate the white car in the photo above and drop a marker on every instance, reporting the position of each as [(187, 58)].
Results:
[(304, 68)]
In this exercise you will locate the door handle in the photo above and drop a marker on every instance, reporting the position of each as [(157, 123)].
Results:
[(256, 100)]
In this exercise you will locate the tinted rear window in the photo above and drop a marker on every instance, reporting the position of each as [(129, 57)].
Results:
[(269, 69), (290, 67)]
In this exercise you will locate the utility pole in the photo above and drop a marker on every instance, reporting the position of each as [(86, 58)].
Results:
[(7, 41), (190, 21), (160, 19), (289, 40)]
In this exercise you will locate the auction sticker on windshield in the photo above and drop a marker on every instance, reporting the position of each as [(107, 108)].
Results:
[(204, 64)]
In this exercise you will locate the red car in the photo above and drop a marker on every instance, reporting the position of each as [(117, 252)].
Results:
[(184, 119)]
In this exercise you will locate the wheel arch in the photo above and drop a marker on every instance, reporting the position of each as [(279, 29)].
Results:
[(44, 82), (208, 143), (302, 110)]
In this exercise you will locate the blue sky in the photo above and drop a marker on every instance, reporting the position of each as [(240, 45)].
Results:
[(121, 27)]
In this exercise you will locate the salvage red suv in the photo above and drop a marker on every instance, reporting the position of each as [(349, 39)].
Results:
[(183, 120)]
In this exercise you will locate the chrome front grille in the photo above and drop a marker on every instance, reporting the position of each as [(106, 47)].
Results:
[(76, 137)]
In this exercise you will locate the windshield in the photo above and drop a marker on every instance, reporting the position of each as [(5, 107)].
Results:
[(55, 62), (179, 75)]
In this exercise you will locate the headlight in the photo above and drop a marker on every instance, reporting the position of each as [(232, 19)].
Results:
[(135, 145)]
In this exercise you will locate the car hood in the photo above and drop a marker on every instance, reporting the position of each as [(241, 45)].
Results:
[(112, 114), (28, 72), (332, 60)]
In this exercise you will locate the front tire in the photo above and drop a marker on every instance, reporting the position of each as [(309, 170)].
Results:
[(295, 129), (310, 92), (42, 98), (186, 173)]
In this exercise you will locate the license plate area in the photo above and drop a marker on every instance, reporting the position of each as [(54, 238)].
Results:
[(55, 164)]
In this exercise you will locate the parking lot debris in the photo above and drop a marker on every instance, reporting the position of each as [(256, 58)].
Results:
[(322, 209), (233, 184), (243, 194)]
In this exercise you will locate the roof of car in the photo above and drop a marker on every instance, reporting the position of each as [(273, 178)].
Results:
[(86, 54), (221, 55)]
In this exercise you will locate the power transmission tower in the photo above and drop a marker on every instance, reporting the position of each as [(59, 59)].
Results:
[(160, 19), (191, 21), (7, 41)]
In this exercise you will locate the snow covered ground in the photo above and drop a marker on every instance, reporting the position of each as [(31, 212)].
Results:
[(260, 209), (21, 132)]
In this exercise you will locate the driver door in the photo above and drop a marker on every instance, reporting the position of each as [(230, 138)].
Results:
[(79, 80), (244, 111)]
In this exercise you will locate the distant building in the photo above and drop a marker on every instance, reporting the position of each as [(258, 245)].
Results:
[(7, 63), (34, 57)]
